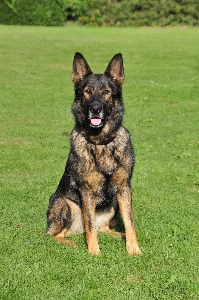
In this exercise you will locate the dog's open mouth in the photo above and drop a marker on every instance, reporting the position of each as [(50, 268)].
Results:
[(96, 122)]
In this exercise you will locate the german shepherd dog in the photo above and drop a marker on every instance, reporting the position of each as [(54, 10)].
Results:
[(96, 181)]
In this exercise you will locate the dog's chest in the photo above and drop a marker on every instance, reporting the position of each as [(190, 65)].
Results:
[(105, 157)]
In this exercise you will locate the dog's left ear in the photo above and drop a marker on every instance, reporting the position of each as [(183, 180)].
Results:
[(115, 69), (80, 68)]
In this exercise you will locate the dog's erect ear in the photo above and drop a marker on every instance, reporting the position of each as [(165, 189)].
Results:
[(115, 68), (80, 68)]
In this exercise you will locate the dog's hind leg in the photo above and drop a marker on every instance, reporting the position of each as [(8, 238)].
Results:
[(59, 220), (60, 237), (107, 230), (105, 219)]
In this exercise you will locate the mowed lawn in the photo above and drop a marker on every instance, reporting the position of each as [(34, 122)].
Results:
[(161, 97)]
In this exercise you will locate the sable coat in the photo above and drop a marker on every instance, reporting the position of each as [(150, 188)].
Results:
[(98, 171)]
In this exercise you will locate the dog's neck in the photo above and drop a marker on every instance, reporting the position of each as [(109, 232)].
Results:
[(99, 136)]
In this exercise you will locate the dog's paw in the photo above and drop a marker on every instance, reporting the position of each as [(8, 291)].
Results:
[(97, 253), (133, 250), (94, 250), (62, 240)]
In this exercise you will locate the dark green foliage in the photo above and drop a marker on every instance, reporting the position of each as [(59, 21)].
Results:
[(100, 12), (43, 12), (76, 8), (142, 12)]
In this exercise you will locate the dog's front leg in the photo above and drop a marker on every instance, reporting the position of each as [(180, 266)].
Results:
[(89, 192), (124, 201), (125, 206), (88, 210)]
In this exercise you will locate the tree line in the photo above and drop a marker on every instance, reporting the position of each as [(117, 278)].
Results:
[(100, 12)]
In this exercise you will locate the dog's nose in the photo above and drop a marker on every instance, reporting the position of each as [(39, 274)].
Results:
[(95, 107)]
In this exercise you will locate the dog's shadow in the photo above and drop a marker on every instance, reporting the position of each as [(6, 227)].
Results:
[(117, 224)]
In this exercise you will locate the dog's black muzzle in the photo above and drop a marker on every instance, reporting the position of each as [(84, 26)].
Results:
[(96, 114)]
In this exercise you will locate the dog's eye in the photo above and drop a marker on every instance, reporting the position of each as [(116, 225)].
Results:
[(105, 92), (87, 91)]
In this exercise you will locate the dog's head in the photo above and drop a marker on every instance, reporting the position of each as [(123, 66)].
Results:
[(98, 98)]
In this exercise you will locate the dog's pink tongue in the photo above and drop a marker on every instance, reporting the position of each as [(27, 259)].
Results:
[(95, 121)]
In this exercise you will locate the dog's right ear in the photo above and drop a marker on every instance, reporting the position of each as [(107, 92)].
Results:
[(80, 68)]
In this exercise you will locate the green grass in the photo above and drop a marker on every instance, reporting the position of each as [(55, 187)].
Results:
[(161, 96)]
